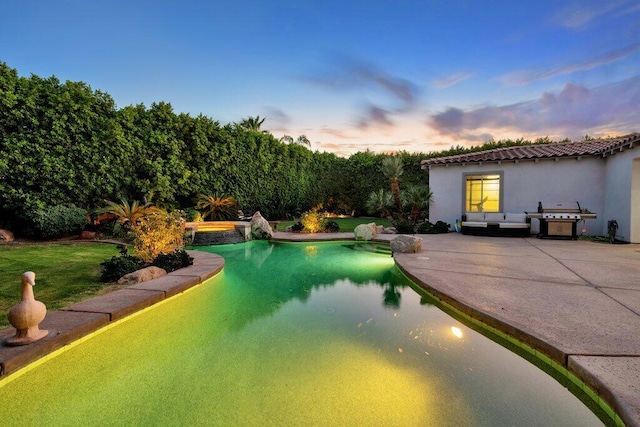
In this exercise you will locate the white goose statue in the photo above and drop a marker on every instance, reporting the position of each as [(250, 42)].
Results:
[(27, 314)]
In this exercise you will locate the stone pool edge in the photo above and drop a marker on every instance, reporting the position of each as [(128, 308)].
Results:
[(70, 324)]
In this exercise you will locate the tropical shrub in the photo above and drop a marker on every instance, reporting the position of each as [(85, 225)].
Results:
[(312, 221), (158, 233), (403, 225), (192, 215), (217, 208), (416, 199), (56, 221), (173, 261), (429, 228), (379, 202), (297, 227), (128, 214), (331, 227), (117, 266)]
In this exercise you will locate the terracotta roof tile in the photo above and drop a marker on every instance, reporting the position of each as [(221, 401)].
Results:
[(596, 147)]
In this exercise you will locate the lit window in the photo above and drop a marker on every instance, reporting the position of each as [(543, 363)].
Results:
[(482, 193)]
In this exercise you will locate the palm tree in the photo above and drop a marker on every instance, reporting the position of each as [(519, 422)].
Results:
[(287, 139), (301, 140), (417, 198), (379, 201), (217, 208), (129, 215), (253, 124), (392, 169)]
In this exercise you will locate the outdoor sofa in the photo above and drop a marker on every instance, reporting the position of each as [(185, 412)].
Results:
[(496, 224)]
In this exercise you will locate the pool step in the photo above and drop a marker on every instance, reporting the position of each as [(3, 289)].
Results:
[(374, 247)]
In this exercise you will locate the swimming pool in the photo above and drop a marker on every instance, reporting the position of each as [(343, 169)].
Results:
[(291, 334)]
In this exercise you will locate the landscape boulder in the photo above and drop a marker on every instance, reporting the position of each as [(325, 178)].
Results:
[(87, 235), (6, 236), (406, 244), (142, 275), (366, 231), (260, 228)]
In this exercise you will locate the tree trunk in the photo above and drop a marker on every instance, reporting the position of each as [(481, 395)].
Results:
[(395, 190)]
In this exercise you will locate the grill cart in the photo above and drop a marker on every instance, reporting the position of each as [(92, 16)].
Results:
[(559, 220)]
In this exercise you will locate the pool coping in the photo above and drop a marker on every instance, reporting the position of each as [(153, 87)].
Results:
[(72, 323)]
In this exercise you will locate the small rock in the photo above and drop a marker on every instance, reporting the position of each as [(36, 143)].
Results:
[(366, 231), (87, 235), (6, 236), (142, 275), (406, 244)]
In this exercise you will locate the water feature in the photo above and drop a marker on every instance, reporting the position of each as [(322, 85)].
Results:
[(292, 334)]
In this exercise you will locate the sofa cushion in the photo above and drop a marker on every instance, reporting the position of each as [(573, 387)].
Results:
[(494, 217), (514, 225), (516, 217), (476, 224), (475, 216)]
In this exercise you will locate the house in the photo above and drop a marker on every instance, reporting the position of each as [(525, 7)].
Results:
[(603, 176)]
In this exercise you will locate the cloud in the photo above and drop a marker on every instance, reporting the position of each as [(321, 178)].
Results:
[(580, 14), (525, 77), (452, 80), (277, 115), (394, 95), (336, 132), (573, 111), (375, 116)]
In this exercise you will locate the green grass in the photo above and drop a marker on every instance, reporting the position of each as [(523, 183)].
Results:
[(65, 273), (346, 224)]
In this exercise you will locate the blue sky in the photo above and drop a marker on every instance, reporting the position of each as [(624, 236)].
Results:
[(350, 75)]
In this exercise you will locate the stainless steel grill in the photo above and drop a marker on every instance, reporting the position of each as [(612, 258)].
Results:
[(559, 220)]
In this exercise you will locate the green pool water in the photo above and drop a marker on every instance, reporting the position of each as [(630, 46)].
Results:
[(292, 334)]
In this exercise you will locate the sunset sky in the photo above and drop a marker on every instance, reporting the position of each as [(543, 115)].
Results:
[(406, 75)]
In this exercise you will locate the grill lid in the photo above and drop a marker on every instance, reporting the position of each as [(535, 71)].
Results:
[(565, 207)]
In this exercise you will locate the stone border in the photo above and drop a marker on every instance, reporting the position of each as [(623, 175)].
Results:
[(70, 324)]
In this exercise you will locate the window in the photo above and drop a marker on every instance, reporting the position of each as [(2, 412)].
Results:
[(482, 193)]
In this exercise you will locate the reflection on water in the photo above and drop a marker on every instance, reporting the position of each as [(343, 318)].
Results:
[(292, 334)]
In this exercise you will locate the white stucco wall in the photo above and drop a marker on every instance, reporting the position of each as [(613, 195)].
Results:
[(524, 184), (622, 194)]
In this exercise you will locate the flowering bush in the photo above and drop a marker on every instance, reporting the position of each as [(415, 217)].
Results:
[(313, 221), (156, 234)]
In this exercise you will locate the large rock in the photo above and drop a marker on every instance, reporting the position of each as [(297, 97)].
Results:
[(260, 228), (142, 275), (406, 244), (6, 236), (366, 231)]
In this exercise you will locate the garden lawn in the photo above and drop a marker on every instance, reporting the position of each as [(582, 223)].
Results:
[(346, 224), (65, 273)]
